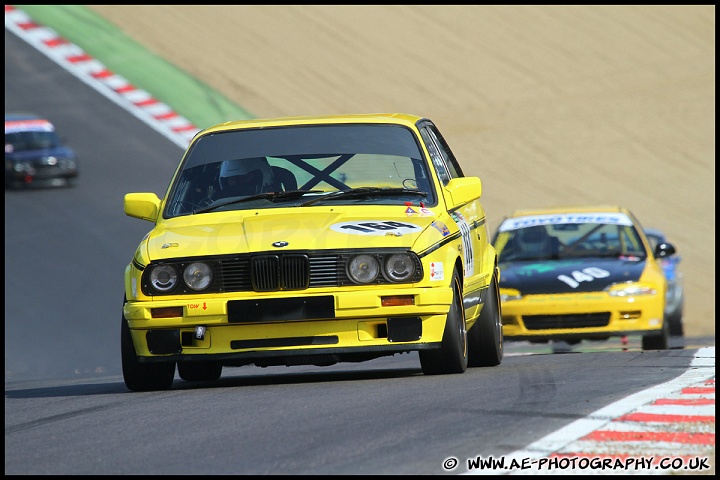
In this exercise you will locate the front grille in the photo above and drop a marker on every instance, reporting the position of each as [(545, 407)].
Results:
[(273, 272), (48, 171), (268, 272), (265, 273), (577, 320)]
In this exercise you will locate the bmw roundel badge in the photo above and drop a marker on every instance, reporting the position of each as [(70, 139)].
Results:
[(280, 244)]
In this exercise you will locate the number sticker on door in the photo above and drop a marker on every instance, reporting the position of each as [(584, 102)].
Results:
[(467, 243)]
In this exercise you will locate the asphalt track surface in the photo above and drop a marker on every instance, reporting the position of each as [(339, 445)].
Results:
[(68, 411), (66, 249)]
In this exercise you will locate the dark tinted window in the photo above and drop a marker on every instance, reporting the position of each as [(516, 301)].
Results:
[(32, 140), (323, 158), (321, 140)]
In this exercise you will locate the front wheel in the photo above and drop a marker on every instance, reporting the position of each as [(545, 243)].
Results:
[(199, 371), (142, 377), (658, 341), (452, 356), (485, 338)]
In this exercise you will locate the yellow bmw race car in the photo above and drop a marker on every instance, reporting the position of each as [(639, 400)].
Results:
[(311, 241), (585, 272)]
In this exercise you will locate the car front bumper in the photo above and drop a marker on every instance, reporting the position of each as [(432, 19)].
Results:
[(581, 316), (45, 175), (343, 324)]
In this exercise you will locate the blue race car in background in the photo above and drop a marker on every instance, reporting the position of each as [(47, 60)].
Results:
[(675, 293), (34, 154)]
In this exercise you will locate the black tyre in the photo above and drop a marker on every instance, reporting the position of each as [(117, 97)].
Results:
[(485, 338), (658, 341), (560, 346), (199, 371), (142, 377), (452, 356), (675, 319), (677, 329)]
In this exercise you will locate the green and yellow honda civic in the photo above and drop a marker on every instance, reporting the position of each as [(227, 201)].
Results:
[(581, 273)]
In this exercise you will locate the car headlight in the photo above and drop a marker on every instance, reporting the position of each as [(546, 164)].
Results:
[(399, 267), (198, 276), (507, 295), (67, 163), (22, 167), (629, 289), (363, 268), (163, 278)]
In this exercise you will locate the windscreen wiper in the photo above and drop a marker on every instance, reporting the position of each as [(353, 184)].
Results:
[(272, 196), (365, 192)]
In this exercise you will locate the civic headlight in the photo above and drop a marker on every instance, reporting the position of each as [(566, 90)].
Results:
[(629, 289), (399, 267), (363, 268), (198, 276), (163, 278), (507, 295)]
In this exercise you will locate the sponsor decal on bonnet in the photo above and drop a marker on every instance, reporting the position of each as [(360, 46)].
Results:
[(376, 227)]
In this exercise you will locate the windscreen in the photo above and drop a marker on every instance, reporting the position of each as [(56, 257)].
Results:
[(322, 158), (545, 237)]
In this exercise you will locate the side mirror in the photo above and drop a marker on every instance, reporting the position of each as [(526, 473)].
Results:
[(664, 250), (463, 190), (144, 206)]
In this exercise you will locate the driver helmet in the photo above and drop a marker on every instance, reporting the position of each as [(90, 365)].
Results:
[(533, 239), (252, 175)]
